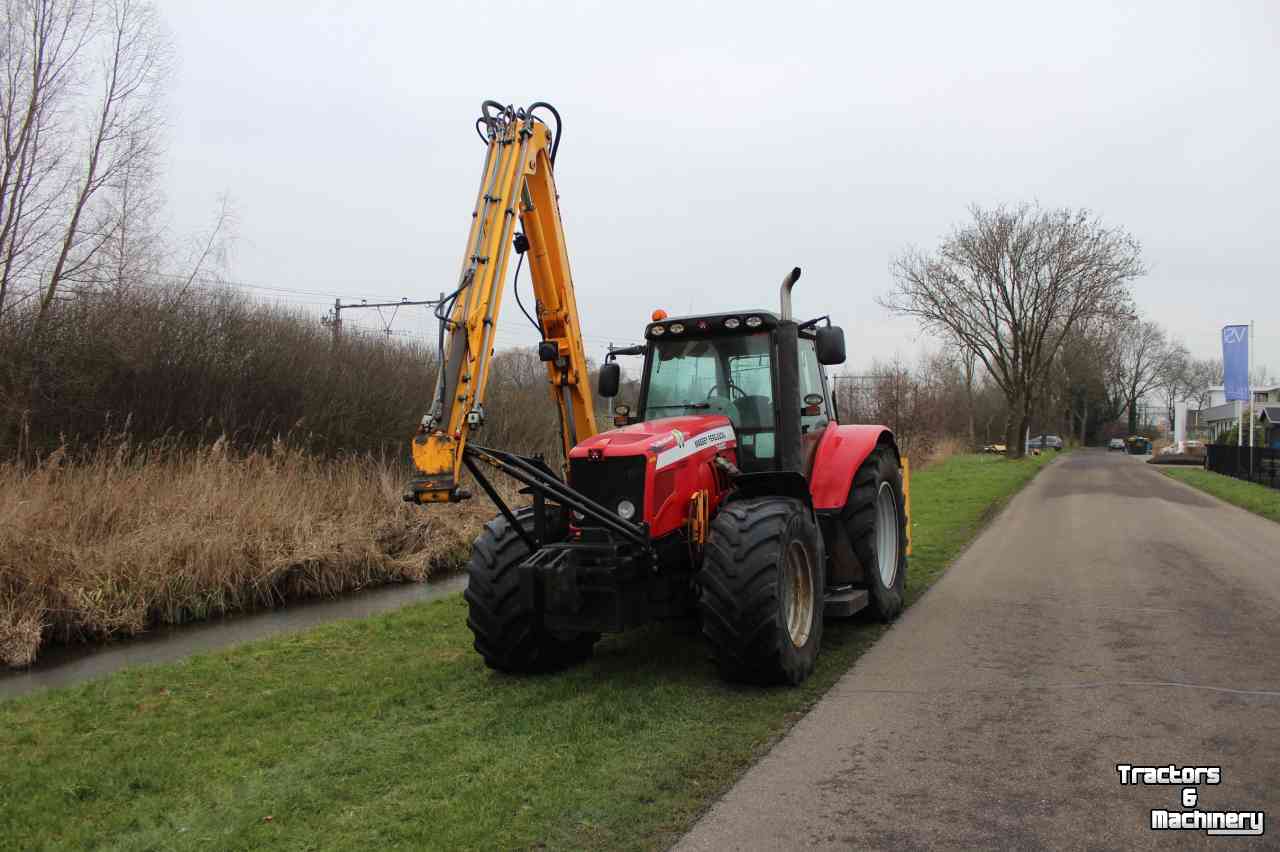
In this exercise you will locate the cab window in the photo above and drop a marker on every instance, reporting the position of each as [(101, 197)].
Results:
[(752, 377), (811, 384), (730, 375)]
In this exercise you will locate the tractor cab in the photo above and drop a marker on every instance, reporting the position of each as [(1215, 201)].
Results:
[(736, 366)]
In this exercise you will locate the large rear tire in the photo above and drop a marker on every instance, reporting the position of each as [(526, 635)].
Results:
[(762, 584), (509, 631), (876, 521)]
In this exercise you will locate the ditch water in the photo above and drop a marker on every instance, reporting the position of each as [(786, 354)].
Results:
[(64, 665)]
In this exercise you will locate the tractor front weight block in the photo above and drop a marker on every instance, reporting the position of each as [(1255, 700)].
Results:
[(597, 587)]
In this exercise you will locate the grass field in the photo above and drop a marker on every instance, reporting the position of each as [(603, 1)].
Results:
[(390, 732), (1258, 499)]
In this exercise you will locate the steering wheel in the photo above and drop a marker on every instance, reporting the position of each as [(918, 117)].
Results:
[(715, 391)]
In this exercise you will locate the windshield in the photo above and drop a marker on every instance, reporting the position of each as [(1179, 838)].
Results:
[(729, 375)]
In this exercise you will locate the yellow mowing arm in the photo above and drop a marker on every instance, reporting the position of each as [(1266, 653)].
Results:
[(517, 181)]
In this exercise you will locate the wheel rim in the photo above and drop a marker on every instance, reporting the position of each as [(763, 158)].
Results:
[(798, 593), (887, 534)]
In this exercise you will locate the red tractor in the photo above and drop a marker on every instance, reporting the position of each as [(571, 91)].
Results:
[(730, 490)]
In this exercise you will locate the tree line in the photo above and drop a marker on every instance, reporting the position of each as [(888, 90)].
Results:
[(109, 325), (189, 366), (1039, 302), (1034, 305)]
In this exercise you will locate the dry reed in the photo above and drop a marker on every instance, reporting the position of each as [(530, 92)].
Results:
[(944, 448), (129, 538)]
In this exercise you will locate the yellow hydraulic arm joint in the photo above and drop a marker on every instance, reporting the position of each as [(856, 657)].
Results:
[(517, 183)]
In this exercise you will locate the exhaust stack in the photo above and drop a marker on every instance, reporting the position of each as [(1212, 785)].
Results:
[(787, 284)]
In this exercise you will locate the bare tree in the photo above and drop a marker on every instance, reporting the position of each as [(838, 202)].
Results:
[(955, 370), (1174, 380), (1082, 370), (1202, 374), (969, 369), (210, 247), (80, 126), (1142, 353), (136, 251), (1011, 286), (41, 49)]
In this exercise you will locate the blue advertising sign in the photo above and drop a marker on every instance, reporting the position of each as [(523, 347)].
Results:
[(1235, 361)]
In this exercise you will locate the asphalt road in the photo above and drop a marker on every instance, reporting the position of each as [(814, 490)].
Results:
[(1110, 615)]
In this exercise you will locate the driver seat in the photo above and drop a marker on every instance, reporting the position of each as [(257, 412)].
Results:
[(752, 416), (752, 412)]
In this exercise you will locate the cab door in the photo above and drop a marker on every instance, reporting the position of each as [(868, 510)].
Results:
[(814, 418)]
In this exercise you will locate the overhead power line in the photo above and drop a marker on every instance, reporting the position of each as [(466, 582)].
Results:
[(209, 280), (334, 320)]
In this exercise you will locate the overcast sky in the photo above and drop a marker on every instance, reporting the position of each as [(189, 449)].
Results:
[(708, 148)]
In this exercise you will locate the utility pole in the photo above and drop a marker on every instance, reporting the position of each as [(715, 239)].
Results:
[(336, 322)]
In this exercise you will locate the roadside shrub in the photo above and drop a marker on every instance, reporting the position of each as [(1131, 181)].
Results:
[(193, 366), (944, 448), (198, 365)]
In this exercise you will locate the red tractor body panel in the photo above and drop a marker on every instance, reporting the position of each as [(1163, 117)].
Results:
[(840, 453), (678, 455)]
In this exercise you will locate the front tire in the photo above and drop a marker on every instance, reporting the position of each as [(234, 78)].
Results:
[(876, 521), (509, 631), (762, 583)]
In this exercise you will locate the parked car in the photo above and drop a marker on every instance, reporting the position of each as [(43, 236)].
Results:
[(1138, 445), (1115, 444), (995, 448), (1045, 442)]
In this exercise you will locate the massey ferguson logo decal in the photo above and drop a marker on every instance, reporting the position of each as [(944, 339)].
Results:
[(685, 447)]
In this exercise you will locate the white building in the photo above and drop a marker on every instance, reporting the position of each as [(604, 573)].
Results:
[(1220, 415)]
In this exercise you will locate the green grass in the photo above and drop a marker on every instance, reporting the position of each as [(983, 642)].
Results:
[(1258, 499), (389, 731)]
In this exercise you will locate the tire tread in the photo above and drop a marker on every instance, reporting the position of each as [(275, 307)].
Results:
[(509, 634), (739, 597)]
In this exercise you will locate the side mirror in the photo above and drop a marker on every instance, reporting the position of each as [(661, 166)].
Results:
[(610, 378), (830, 345)]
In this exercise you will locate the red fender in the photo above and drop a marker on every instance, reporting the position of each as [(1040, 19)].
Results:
[(840, 453)]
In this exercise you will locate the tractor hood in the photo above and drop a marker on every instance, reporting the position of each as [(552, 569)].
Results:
[(669, 438), (655, 466)]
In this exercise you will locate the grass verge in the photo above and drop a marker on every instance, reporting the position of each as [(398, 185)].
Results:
[(389, 731), (1258, 499)]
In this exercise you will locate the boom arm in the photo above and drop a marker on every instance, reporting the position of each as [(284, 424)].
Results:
[(517, 181)]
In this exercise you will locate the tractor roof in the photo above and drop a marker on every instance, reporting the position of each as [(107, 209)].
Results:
[(702, 324)]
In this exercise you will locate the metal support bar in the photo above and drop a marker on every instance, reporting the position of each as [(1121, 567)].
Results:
[(522, 470), (339, 307), (539, 516), (500, 503), (403, 303)]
